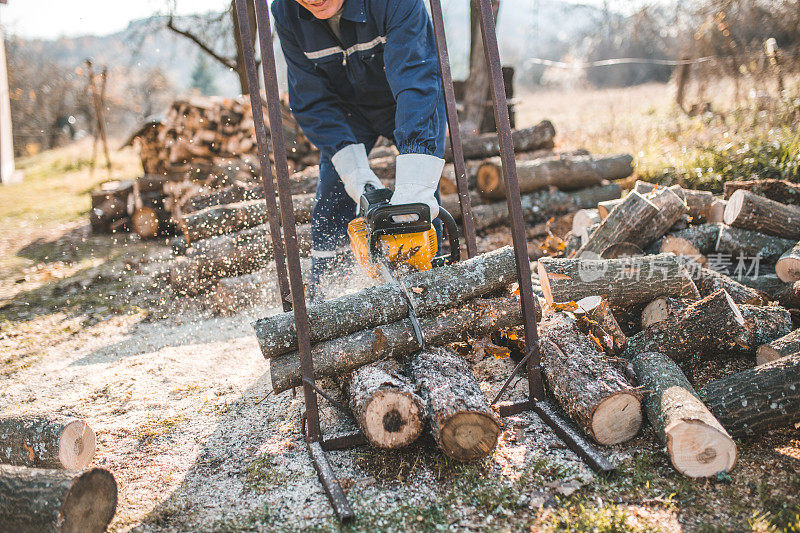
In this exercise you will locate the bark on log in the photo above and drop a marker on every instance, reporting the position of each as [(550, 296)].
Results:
[(622, 224), (563, 173), (52, 441), (751, 402), (487, 145), (787, 345), (334, 357), (698, 203), (781, 191), (750, 211), (432, 291), (230, 218), (788, 295), (592, 392), (179, 245), (697, 444), (224, 256), (461, 421), (670, 208), (695, 241), (595, 317), (539, 206), (762, 325), (622, 282), (739, 242), (709, 325), (663, 308), (36, 500), (788, 266), (709, 281), (385, 404)]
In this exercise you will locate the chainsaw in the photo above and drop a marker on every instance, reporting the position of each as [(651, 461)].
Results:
[(380, 243)]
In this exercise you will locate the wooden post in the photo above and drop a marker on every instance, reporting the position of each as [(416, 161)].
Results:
[(7, 171)]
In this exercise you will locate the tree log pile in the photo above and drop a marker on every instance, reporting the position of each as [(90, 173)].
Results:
[(693, 291)]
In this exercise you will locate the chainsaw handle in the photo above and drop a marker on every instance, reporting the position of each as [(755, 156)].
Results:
[(451, 228)]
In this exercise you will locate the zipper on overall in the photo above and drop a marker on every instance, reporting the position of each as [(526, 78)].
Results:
[(341, 45)]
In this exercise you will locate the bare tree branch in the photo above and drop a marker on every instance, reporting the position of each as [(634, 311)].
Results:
[(228, 62)]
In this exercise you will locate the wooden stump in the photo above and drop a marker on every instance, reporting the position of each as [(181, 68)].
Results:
[(461, 421), (383, 401), (595, 317), (621, 282), (563, 173), (749, 211), (432, 290), (788, 266), (751, 402), (336, 356), (789, 344), (712, 324), (622, 224), (594, 394), (697, 444), (52, 441), (34, 500)]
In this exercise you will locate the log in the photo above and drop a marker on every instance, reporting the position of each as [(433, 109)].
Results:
[(698, 203), (738, 242), (37, 499), (709, 281), (432, 290), (563, 173), (781, 191), (622, 224), (717, 212), (663, 308), (595, 317), (784, 346), (695, 241), (750, 211), (670, 208), (606, 206), (230, 218), (788, 266), (461, 421), (385, 404), (709, 325), (334, 357), (788, 295), (756, 400), (107, 212), (51, 441), (179, 245), (697, 444), (622, 282), (486, 145), (146, 222), (592, 392), (239, 253), (762, 326), (584, 219)]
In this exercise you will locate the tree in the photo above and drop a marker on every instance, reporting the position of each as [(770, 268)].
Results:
[(202, 78)]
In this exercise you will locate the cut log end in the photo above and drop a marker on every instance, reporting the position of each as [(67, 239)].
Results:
[(788, 268), (699, 450), (767, 354), (655, 312), (717, 211), (91, 502), (617, 419), (77, 445), (145, 222), (733, 207), (467, 436), (680, 246), (393, 419), (489, 178)]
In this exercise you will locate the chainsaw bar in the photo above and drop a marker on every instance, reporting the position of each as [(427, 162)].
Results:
[(389, 277)]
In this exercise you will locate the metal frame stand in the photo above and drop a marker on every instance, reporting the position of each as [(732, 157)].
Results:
[(287, 254)]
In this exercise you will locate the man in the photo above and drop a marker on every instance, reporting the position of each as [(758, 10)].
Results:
[(358, 69)]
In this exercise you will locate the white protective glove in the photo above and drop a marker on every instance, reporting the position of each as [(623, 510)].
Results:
[(352, 165), (416, 180)]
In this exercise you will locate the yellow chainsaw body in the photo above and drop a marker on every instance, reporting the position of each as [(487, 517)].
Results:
[(415, 249)]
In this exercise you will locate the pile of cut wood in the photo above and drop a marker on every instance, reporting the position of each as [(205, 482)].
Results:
[(655, 282), (45, 482), (204, 144), (226, 243)]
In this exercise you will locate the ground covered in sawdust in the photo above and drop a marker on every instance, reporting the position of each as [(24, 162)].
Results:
[(187, 422)]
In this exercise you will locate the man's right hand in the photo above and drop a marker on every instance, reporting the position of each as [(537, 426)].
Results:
[(352, 165)]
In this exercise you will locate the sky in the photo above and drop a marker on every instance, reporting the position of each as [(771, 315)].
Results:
[(50, 19)]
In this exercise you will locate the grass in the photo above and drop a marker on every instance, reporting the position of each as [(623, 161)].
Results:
[(158, 427)]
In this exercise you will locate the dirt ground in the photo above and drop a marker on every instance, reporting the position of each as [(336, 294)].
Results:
[(182, 406)]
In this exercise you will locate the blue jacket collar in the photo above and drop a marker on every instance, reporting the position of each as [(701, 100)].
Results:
[(354, 10)]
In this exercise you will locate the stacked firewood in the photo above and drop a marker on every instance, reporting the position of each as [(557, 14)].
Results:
[(226, 243), (672, 284), (45, 482)]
